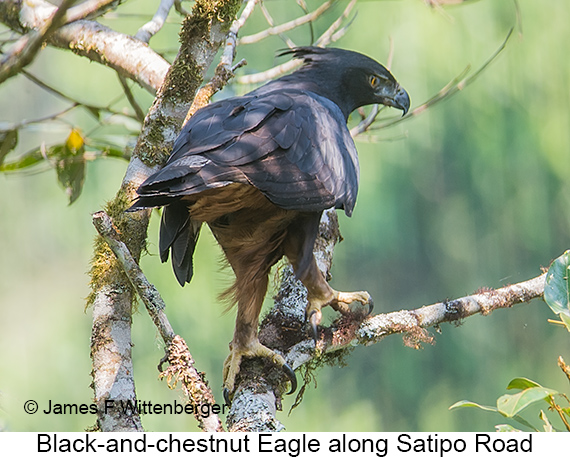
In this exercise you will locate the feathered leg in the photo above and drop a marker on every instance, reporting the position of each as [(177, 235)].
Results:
[(251, 247), (245, 343)]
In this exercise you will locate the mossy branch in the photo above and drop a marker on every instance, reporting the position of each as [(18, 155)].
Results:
[(181, 364), (201, 36)]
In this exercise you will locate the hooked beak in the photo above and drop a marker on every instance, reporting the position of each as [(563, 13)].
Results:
[(395, 96), (400, 100)]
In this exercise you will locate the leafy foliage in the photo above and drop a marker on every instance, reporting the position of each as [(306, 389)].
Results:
[(68, 158), (557, 289)]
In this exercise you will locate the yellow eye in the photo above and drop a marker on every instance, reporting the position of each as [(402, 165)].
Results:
[(373, 81)]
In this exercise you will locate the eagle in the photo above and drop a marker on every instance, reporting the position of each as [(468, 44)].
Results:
[(260, 169)]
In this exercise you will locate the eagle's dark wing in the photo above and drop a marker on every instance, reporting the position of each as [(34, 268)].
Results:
[(292, 145)]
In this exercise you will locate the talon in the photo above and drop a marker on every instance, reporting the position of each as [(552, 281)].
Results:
[(370, 306), (292, 377), (226, 393), (313, 321), (162, 362)]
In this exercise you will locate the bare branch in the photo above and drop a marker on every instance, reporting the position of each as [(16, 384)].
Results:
[(330, 35), (456, 85), (181, 362), (146, 291), (131, 98), (564, 367), (148, 30), (224, 71), (201, 35), (179, 8), (25, 49), (288, 41), (279, 29), (89, 9), (126, 55), (75, 103), (272, 73), (333, 33)]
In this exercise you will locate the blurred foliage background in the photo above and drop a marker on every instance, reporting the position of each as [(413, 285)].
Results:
[(472, 193)]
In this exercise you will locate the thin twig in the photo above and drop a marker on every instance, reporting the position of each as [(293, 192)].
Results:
[(272, 73), (288, 41), (75, 103), (560, 411), (457, 84), (224, 71), (89, 9), (287, 26), (182, 364), (139, 113), (565, 368), (148, 30), (330, 35), (180, 9), (25, 49), (26, 122)]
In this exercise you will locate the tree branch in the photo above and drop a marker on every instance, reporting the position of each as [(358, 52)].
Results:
[(330, 35), (201, 36), (125, 54), (279, 29), (148, 30), (177, 353)]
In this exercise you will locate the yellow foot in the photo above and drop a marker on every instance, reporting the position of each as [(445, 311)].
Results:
[(254, 349), (339, 302)]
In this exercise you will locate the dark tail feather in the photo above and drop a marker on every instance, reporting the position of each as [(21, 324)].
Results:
[(145, 201), (179, 234)]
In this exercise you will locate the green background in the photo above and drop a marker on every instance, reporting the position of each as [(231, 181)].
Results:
[(472, 193)]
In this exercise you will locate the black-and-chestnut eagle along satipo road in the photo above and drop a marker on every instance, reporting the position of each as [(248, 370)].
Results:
[(259, 170)]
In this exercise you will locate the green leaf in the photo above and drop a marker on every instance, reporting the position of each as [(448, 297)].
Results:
[(70, 165), (506, 428), (522, 383), (8, 141), (28, 159), (524, 422), (470, 404), (556, 288), (511, 405)]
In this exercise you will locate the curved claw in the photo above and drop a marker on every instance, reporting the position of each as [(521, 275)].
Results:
[(226, 393), (313, 320), (292, 377), (370, 306)]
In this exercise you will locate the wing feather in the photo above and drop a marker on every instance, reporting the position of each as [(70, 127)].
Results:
[(291, 144)]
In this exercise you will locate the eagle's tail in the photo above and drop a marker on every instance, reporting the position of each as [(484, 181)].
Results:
[(179, 234)]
